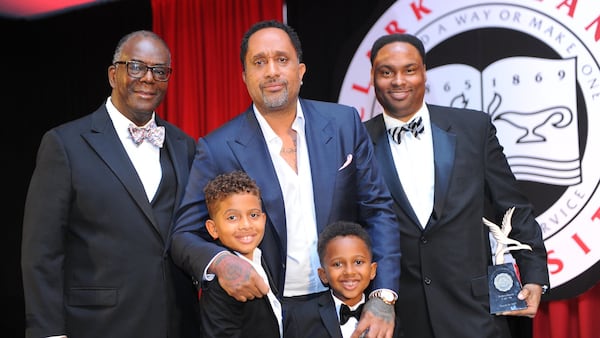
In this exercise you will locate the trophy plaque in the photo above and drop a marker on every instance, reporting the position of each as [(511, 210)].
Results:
[(504, 284)]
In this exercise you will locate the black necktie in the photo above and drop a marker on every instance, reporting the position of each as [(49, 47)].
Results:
[(414, 127), (346, 313)]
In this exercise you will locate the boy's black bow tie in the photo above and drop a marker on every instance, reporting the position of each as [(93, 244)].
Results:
[(346, 313)]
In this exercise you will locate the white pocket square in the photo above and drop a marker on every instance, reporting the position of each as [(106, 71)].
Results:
[(348, 161)]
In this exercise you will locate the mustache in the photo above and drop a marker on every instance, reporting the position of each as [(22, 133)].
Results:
[(274, 82)]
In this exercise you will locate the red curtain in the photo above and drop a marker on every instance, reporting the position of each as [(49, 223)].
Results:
[(570, 318), (206, 88)]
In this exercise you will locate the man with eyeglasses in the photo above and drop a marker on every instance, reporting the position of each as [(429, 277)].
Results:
[(99, 211)]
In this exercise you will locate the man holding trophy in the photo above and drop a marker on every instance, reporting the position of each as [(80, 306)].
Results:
[(447, 171)]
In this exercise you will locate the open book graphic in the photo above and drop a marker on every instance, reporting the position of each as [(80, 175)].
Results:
[(532, 103)]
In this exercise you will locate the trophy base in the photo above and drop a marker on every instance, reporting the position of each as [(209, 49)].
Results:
[(504, 287)]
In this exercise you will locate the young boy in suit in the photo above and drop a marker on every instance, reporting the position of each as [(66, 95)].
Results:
[(237, 221), (345, 254)]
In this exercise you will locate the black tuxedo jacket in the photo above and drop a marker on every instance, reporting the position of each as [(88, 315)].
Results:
[(444, 266), (315, 318), (95, 261), (222, 316)]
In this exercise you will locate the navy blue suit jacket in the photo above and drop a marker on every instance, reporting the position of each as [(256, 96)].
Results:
[(444, 266), (355, 193)]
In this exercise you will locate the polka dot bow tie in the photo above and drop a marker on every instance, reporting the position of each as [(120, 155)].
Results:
[(414, 127), (151, 133)]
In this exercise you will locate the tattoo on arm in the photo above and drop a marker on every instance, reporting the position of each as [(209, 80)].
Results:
[(229, 270), (380, 309)]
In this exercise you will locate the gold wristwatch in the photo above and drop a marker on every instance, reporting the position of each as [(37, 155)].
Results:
[(387, 296)]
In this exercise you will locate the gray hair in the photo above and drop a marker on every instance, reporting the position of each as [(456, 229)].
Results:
[(144, 34)]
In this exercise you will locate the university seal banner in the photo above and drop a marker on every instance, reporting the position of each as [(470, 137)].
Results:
[(533, 67)]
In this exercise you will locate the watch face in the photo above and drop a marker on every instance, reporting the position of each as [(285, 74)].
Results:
[(387, 296)]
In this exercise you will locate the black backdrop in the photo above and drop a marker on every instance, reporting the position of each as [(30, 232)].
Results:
[(54, 70)]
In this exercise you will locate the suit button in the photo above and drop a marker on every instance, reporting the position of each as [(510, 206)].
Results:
[(427, 280), (424, 240)]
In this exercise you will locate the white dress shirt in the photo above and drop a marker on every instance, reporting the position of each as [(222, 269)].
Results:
[(144, 157), (413, 159), (302, 261)]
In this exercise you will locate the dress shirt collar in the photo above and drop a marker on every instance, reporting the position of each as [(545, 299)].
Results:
[(268, 132), (338, 303), (348, 328), (120, 122), (423, 112), (256, 257)]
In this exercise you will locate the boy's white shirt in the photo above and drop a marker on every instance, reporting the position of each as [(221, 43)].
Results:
[(275, 304)]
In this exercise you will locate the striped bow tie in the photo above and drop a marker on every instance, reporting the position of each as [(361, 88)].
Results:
[(414, 127), (151, 133)]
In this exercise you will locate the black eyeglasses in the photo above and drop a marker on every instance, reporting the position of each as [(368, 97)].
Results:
[(137, 70)]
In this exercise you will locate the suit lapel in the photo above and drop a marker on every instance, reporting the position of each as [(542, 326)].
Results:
[(104, 140), (322, 154), (176, 148), (444, 148), (329, 316), (250, 148), (272, 284), (383, 152)]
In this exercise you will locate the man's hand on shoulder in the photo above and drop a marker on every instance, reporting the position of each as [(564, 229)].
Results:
[(238, 278), (377, 320)]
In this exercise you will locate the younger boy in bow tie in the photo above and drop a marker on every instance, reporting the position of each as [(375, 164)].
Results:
[(346, 266)]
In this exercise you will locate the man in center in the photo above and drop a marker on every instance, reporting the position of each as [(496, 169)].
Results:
[(314, 164)]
